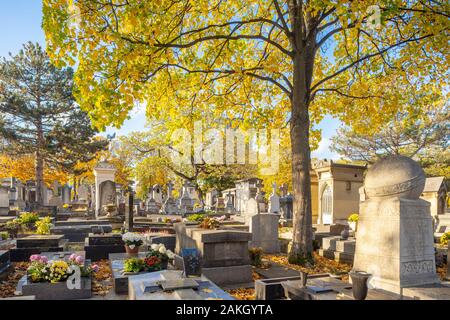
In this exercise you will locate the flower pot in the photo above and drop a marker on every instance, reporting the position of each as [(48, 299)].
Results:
[(134, 250), (303, 278), (359, 284)]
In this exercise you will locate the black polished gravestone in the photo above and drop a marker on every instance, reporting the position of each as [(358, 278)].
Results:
[(4, 260), (77, 233), (35, 244), (99, 246)]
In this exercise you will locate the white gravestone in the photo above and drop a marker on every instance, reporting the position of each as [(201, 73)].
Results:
[(274, 200), (104, 172), (395, 235)]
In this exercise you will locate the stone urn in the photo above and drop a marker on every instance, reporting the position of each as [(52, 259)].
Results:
[(395, 175), (359, 284), (345, 234)]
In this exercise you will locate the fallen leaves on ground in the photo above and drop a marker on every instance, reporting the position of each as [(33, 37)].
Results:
[(442, 271), (321, 265), (243, 293), (102, 282), (8, 286)]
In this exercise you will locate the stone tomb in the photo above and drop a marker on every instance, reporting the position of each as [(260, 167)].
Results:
[(77, 233), (264, 230), (99, 246), (395, 228), (35, 244), (4, 260), (335, 248), (224, 253)]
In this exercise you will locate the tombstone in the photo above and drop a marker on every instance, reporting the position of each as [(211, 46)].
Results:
[(65, 194), (152, 206), (211, 197), (287, 207), (220, 204), (157, 195), (191, 262), (4, 260), (4, 200), (35, 244), (83, 192), (252, 209), (169, 206), (264, 230), (229, 206), (99, 246), (274, 201), (186, 202), (105, 188), (395, 229), (260, 200)]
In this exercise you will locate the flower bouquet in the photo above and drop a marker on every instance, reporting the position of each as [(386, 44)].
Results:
[(160, 251), (43, 270), (132, 242)]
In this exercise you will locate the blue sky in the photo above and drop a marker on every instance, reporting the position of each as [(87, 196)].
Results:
[(20, 21)]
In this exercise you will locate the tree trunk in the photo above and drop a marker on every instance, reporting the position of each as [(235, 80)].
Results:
[(39, 164), (303, 62)]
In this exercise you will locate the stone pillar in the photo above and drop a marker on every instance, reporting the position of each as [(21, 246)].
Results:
[(129, 212)]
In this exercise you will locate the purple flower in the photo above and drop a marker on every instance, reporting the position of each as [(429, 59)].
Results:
[(95, 268), (79, 259), (34, 257), (43, 259)]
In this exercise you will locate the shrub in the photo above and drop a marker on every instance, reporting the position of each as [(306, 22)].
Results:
[(354, 217), (197, 217), (28, 218), (43, 226), (444, 238), (255, 256), (4, 235), (12, 227)]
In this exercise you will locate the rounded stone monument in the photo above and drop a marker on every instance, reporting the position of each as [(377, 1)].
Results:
[(395, 176)]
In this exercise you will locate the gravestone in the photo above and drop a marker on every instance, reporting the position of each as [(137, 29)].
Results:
[(77, 233), (229, 206), (4, 200), (152, 206), (220, 204), (35, 244), (170, 206), (107, 193), (224, 253), (186, 202), (395, 228), (99, 246), (169, 241), (157, 195), (260, 200), (264, 230), (274, 201)]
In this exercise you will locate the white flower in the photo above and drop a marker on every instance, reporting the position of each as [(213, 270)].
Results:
[(155, 246), (170, 254), (131, 246), (162, 250)]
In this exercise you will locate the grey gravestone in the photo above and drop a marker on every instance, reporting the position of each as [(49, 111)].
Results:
[(56, 291), (169, 241), (35, 244), (107, 193), (129, 213), (98, 247)]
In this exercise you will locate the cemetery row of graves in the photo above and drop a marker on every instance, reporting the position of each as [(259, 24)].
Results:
[(376, 236)]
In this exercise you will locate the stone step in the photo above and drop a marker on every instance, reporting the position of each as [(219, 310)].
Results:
[(343, 257), (346, 246)]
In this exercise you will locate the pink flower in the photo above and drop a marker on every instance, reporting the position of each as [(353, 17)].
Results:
[(79, 259), (72, 257), (95, 267), (34, 257), (43, 259)]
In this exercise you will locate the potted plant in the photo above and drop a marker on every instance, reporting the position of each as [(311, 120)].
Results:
[(28, 220), (353, 221), (43, 225), (132, 242), (133, 265), (161, 253)]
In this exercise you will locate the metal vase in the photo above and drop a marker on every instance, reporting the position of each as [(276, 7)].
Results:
[(359, 284)]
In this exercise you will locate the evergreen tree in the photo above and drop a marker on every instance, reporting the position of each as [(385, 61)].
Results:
[(39, 115)]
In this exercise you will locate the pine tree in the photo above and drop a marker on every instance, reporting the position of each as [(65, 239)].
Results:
[(39, 115)]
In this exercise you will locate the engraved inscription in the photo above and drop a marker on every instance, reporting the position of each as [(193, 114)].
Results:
[(417, 267)]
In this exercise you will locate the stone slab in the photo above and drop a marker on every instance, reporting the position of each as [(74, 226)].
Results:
[(78, 233), (346, 246), (57, 291), (5, 260), (101, 252), (229, 275), (104, 239), (439, 291), (39, 241), (23, 254)]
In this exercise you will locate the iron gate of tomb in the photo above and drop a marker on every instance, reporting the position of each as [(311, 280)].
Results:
[(326, 205)]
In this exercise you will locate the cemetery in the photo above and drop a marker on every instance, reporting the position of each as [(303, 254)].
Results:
[(168, 151)]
